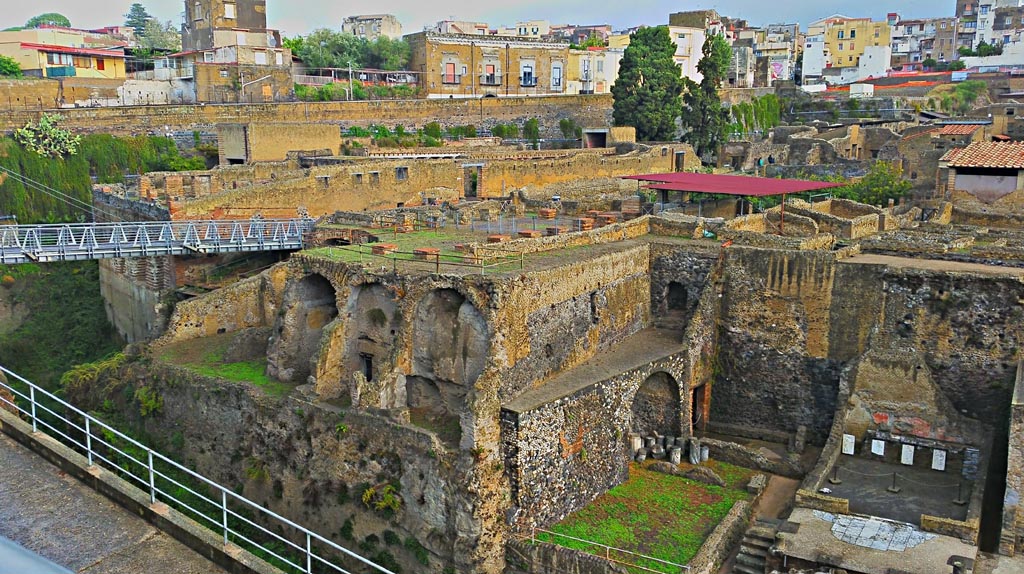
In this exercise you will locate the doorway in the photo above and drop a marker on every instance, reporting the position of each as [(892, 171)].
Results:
[(698, 412)]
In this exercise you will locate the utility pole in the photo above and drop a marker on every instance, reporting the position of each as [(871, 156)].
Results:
[(351, 95)]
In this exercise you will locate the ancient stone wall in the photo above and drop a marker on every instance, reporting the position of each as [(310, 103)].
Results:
[(588, 110), (1011, 540)]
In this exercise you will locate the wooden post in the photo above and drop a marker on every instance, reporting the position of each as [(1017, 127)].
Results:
[(782, 215)]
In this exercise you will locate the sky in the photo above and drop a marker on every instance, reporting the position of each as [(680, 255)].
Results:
[(298, 17)]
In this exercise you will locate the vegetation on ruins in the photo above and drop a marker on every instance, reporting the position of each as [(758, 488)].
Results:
[(659, 515), (646, 93), (763, 113), (883, 182), (65, 325), (984, 49), (958, 98), (505, 131), (47, 138), (705, 122), (338, 91), (9, 68)]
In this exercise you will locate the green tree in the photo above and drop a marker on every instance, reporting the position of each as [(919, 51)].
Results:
[(929, 63), (883, 182), (50, 18), (324, 48), (386, 54), (9, 68), (160, 36), (136, 18), (293, 44), (531, 131), (646, 93), (705, 121), (957, 65)]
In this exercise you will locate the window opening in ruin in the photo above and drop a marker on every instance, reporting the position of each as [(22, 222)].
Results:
[(401, 173), (374, 177), (367, 365), (357, 178)]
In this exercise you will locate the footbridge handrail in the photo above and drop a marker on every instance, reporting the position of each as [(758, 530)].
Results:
[(95, 439), (609, 550), (80, 241)]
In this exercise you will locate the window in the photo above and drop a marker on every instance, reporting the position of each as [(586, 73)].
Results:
[(943, 25), (842, 34), (528, 80), (449, 76), (853, 33), (600, 65), (197, 11), (849, 58), (207, 56), (101, 64), (374, 177), (401, 173), (463, 70), (280, 58), (83, 62), (229, 11), (852, 47), (260, 58), (840, 46), (681, 36), (357, 178), (877, 32), (1009, 111), (984, 9), (556, 76)]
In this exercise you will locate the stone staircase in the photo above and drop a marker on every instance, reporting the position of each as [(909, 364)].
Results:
[(754, 548)]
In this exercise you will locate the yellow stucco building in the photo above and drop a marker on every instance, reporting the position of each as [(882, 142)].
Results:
[(846, 39), (64, 52)]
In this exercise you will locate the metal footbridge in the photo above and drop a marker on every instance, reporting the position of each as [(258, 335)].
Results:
[(76, 242)]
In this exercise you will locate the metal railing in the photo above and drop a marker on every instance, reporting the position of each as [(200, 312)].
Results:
[(80, 241), (451, 78), (95, 440), (528, 82), (490, 79), (609, 553)]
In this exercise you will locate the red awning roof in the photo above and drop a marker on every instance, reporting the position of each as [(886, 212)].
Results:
[(71, 50), (730, 184)]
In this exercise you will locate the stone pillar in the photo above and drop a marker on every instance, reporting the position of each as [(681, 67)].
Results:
[(694, 451), (675, 455)]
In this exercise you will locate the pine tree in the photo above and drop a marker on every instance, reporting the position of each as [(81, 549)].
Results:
[(136, 18), (646, 93), (705, 121)]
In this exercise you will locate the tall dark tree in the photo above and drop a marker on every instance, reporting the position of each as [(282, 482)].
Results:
[(51, 18), (136, 18), (705, 121), (646, 93)]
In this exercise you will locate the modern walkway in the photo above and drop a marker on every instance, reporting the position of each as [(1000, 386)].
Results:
[(77, 242), (55, 516), (933, 265)]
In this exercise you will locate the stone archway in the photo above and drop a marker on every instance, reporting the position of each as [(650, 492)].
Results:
[(308, 306), (449, 355), (656, 406)]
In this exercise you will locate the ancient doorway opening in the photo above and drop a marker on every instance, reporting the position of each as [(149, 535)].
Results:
[(308, 307), (698, 400), (680, 161), (656, 406), (675, 306), (472, 175)]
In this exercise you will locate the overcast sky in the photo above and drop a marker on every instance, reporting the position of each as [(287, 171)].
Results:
[(296, 17)]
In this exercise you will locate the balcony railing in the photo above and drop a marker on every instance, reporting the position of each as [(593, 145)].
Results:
[(451, 78), (490, 80), (528, 82)]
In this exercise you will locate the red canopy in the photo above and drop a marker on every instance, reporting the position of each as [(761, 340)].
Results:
[(729, 184)]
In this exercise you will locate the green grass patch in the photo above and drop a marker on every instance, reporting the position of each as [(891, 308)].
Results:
[(659, 515), (206, 357)]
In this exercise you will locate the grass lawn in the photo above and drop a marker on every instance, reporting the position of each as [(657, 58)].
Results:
[(206, 357), (655, 514)]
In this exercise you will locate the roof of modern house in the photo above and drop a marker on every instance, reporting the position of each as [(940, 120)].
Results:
[(72, 50), (730, 184), (996, 155)]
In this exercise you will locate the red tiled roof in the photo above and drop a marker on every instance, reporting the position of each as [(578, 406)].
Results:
[(1008, 155), (959, 129), (730, 184), (71, 50)]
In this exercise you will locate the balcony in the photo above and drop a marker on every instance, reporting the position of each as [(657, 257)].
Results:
[(451, 78), (490, 80), (528, 81)]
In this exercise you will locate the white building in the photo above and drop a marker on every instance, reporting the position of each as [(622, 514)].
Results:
[(874, 63), (689, 43), (986, 20), (816, 59)]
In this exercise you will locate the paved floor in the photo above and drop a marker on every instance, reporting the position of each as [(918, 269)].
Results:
[(922, 491), (823, 538), (59, 518)]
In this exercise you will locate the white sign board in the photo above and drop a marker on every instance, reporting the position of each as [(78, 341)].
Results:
[(938, 459), (878, 447), (848, 443), (907, 456)]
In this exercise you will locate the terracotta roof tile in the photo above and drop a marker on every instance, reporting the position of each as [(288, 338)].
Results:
[(987, 154), (959, 129)]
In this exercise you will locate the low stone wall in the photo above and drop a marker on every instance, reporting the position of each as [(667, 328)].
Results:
[(979, 215), (719, 544), (770, 241), (966, 530), (607, 234), (753, 432), (740, 455), (529, 557), (677, 226)]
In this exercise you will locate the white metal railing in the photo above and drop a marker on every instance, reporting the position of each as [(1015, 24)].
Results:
[(609, 553), (95, 442)]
